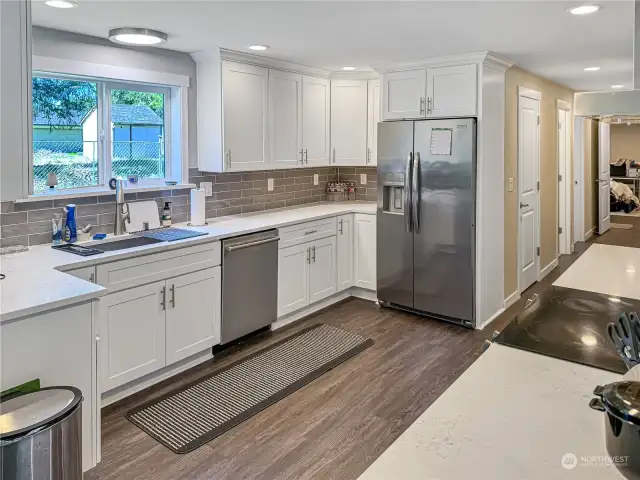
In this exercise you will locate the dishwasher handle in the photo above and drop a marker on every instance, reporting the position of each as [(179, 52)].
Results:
[(251, 244)]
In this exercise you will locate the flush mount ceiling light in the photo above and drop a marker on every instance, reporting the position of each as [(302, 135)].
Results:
[(348, 69), (617, 86), (583, 9), (259, 48), (61, 3), (592, 69), (137, 36)]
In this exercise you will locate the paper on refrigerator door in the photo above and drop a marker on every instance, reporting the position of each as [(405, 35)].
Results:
[(441, 139)]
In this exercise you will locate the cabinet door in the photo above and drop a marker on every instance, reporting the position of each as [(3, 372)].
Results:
[(452, 91), (322, 269), (365, 251), (245, 99), (345, 252), (293, 278), (193, 313), (315, 120), (373, 111), (132, 334), (285, 118), (349, 122), (404, 94)]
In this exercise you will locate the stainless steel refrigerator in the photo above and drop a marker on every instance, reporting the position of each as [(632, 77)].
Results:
[(426, 217)]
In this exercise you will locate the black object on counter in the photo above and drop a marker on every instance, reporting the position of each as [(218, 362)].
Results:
[(571, 325), (625, 335), (77, 249), (621, 403)]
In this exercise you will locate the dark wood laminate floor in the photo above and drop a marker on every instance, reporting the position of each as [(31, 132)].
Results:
[(336, 426)]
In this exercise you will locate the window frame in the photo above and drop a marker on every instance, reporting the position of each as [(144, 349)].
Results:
[(105, 133)]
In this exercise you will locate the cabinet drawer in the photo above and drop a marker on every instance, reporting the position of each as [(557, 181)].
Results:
[(152, 268), (306, 232)]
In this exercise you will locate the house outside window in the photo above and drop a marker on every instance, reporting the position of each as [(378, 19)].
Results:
[(87, 132)]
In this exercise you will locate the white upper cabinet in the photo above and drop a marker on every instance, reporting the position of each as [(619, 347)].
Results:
[(315, 120), (245, 91), (285, 118), (349, 122), (373, 111), (404, 94), (452, 91)]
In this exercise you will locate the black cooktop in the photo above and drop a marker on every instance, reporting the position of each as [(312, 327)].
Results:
[(571, 325)]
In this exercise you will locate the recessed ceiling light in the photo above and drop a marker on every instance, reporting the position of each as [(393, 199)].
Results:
[(584, 9), (617, 86), (137, 36), (259, 48), (348, 68), (61, 3), (592, 69)]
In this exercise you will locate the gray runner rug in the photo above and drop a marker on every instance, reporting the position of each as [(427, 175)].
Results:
[(197, 413)]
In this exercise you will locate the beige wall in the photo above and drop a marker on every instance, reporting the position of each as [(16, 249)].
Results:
[(625, 142), (590, 175), (551, 92)]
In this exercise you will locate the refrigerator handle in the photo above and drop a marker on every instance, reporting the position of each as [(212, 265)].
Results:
[(407, 192), (415, 193)]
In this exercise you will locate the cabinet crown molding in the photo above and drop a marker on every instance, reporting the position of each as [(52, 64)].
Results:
[(485, 58), (260, 61)]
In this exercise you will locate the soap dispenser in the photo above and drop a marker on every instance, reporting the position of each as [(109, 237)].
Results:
[(166, 215)]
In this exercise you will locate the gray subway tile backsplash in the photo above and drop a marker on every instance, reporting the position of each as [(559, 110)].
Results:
[(29, 223)]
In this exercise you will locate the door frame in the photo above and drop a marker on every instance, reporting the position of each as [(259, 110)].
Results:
[(578, 179), (535, 95), (564, 221)]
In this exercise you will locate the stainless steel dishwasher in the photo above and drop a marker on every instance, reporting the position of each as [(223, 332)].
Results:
[(249, 283)]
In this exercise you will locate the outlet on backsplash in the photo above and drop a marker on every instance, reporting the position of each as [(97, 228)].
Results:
[(208, 188), (363, 179), (316, 179), (269, 184)]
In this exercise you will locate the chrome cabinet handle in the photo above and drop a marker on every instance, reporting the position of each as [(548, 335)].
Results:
[(163, 300), (368, 155), (97, 337), (306, 156), (173, 296), (301, 156), (334, 154), (429, 105), (415, 193), (341, 226), (92, 277), (407, 192), (421, 105), (522, 205), (229, 158), (310, 232), (308, 254), (314, 254)]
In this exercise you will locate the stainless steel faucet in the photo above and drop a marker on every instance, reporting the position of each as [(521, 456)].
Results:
[(122, 214)]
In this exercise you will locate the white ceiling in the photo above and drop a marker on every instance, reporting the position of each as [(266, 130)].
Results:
[(537, 35)]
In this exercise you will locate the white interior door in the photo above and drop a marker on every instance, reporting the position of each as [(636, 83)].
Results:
[(528, 185), (578, 179), (604, 187), (564, 181)]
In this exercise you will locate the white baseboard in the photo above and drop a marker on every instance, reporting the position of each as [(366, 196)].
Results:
[(336, 297), (490, 319), (130, 388), (546, 270), (511, 299), (589, 234)]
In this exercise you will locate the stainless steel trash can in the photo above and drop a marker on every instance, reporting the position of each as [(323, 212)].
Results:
[(41, 435)]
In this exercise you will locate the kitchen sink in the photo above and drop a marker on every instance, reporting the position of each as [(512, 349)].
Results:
[(124, 243)]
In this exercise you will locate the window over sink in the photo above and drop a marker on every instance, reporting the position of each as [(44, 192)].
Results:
[(87, 131)]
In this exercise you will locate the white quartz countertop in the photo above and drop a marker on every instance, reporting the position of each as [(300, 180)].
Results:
[(35, 281), (511, 415)]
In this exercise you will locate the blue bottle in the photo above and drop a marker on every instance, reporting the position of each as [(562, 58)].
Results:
[(70, 230)]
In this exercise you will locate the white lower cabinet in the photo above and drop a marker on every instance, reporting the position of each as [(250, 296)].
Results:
[(193, 313), (293, 278), (145, 328), (365, 251), (322, 269), (132, 334), (345, 251), (306, 274)]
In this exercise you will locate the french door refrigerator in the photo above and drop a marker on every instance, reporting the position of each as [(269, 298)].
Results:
[(426, 217)]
